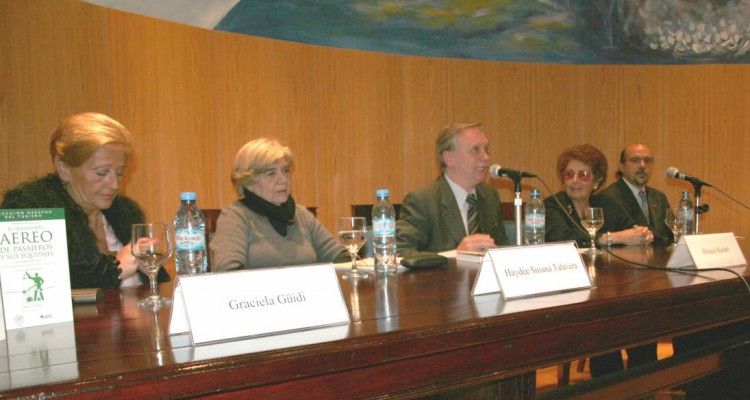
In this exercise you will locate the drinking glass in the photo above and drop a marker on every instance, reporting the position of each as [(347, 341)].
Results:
[(592, 220), (676, 222), (353, 233), (151, 244)]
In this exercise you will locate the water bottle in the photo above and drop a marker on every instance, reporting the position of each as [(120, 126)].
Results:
[(384, 233), (534, 219), (687, 213), (190, 237)]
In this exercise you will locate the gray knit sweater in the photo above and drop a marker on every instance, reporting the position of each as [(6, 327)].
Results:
[(245, 239)]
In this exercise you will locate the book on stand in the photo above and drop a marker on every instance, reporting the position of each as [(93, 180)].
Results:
[(34, 274)]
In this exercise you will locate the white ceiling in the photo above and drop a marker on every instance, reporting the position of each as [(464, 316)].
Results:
[(201, 13)]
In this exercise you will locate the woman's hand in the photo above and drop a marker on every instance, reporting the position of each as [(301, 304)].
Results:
[(635, 236), (128, 263)]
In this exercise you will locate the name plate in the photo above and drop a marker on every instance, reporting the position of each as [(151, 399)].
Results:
[(714, 250), (522, 271), (230, 305)]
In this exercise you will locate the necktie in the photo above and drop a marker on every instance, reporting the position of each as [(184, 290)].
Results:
[(472, 220), (644, 204)]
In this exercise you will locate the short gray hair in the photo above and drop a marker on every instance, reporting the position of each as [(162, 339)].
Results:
[(446, 140), (255, 158)]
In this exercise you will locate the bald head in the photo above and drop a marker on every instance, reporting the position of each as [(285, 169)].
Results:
[(636, 164)]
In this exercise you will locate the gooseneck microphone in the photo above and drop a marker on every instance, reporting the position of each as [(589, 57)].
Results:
[(675, 173), (497, 172)]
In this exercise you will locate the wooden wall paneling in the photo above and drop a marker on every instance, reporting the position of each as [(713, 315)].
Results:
[(602, 111), (643, 117), (510, 103), (359, 114), (528, 127), (554, 119), (437, 92), (688, 94), (428, 100), (162, 89), (724, 147), (599, 109), (641, 106), (265, 89), (51, 66)]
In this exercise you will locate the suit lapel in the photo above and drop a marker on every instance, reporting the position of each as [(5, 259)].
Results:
[(450, 212), (486, 217), (634, 207), (654, 208)]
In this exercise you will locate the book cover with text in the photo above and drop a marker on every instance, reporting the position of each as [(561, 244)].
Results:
[(34, 274)]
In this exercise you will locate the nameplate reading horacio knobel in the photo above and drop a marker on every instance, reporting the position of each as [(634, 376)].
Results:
[(714, 250), (230, 305), (530, 270)]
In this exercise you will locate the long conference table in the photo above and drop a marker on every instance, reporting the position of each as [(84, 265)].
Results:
[(418, 334)]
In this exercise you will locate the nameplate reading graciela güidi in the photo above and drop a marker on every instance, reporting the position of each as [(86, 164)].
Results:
[(34, 272), (713, 250), (522, 271), (229, 305)]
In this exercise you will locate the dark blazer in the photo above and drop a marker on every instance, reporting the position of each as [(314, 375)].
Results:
[(558, 227), (430, 220), (658, 204)]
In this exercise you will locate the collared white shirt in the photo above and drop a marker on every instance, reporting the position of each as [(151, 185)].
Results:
[(460, 194), (634, 189)]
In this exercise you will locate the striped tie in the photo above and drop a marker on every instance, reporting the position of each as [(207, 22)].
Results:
[(644, 205), (471, 217)]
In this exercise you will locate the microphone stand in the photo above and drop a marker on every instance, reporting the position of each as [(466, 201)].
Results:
[(517, 203), (699, 209)]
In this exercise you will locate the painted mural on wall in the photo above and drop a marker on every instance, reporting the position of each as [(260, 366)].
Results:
[(562, 31)]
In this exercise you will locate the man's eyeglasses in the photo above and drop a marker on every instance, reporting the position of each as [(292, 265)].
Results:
[(583, 176)]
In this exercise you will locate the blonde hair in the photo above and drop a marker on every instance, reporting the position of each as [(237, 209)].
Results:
[(79, 136), (446, 140), (255, 158)]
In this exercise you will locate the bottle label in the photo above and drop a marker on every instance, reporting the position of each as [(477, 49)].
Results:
[(535, 220), (190, 239), (383, 227)]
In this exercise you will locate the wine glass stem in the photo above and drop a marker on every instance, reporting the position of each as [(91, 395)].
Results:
[(354, 262), (152, 280)]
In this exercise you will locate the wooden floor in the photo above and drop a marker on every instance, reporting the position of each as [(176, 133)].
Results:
[(546, 379)]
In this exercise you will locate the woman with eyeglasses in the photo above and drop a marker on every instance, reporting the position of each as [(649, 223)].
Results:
[(582, 170)]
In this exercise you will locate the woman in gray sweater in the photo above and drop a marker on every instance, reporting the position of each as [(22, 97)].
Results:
[(265, 228)]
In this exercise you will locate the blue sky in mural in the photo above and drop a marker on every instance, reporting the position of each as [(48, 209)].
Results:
[(564, 31)]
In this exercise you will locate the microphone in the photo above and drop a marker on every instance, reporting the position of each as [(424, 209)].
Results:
[(675, 173), (498, 172)]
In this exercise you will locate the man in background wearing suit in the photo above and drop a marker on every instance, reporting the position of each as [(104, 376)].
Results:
[(647, 206), (458, 210)]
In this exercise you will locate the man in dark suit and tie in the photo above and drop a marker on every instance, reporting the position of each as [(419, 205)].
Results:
[(647, 207), (458, 210)]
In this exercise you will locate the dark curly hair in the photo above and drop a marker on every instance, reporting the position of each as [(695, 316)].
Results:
[(588, 155)]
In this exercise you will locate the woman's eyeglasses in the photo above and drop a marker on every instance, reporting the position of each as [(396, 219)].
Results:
[(583, 176)]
